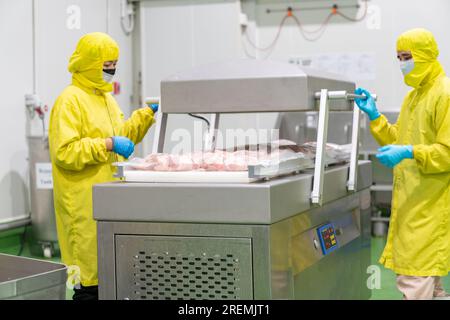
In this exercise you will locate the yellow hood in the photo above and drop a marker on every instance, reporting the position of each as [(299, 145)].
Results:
[(86, 63), (425, 52)]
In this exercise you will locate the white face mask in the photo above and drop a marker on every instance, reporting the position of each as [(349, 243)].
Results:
[(108, 76), (407, 66)]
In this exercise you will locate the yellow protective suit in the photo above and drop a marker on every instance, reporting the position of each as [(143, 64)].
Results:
[(82, 117), (418, 241)]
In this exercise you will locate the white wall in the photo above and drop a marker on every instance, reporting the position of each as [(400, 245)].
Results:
[(125, 65), (55, 42), (16, 80), (180, 34), (376, 35), (176, 35)]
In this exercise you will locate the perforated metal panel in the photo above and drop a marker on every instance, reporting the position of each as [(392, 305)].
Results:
[(154, 268)]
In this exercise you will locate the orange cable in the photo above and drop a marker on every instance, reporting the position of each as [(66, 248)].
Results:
[(353, 19), (303, 31)]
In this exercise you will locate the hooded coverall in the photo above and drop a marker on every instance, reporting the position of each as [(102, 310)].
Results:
[(83, 116)]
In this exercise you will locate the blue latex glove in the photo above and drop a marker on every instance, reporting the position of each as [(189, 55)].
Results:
[(154, 107), (391, 155), (367, 105), (123, 146)]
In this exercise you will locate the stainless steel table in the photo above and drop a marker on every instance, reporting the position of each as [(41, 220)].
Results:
[(30, 279)]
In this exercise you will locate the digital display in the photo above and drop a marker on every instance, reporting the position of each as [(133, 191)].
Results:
[(328, 238)]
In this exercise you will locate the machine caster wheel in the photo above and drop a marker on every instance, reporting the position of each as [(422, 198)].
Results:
[(47, 252), (379, 228)]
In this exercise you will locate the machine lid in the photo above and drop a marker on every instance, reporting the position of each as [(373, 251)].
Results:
[(249, 69), (246, 85)]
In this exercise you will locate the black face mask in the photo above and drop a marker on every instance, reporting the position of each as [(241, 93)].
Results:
[(110, 71)]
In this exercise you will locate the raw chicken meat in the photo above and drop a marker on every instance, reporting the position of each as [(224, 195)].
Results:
[(334, 153), (236, 159), (214, 161)]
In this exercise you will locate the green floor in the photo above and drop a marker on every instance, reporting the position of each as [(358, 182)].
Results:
[(10, 244), (388, 289)]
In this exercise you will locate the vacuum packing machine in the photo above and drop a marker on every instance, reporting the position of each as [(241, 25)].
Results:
[(294, 234)]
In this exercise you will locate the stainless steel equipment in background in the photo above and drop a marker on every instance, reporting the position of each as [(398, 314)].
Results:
[(299, 236), (382, 178), (302, 126), (43, 237)]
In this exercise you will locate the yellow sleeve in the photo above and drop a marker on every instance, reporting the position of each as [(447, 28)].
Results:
[(435, 158), (136, 127), (67, 148), (384, 132)]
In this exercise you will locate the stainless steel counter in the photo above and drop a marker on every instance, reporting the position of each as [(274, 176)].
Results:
[(262, 202)]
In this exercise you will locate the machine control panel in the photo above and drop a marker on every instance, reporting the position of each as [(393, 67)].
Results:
[(327, 236)]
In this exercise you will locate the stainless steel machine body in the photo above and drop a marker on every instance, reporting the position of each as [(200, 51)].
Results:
[(30, 279), (304, 235), (220, 241), (302, 126)]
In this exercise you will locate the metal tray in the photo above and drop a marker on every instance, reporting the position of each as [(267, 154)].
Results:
[(31, 279), (253, 174)]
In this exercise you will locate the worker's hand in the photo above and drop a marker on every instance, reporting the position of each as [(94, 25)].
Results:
[(368, 104), (122, 146), (154, 107), (391, 155)]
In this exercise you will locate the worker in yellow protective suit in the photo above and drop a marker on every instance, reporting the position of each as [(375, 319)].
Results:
[(417, 147), (87, 134)]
